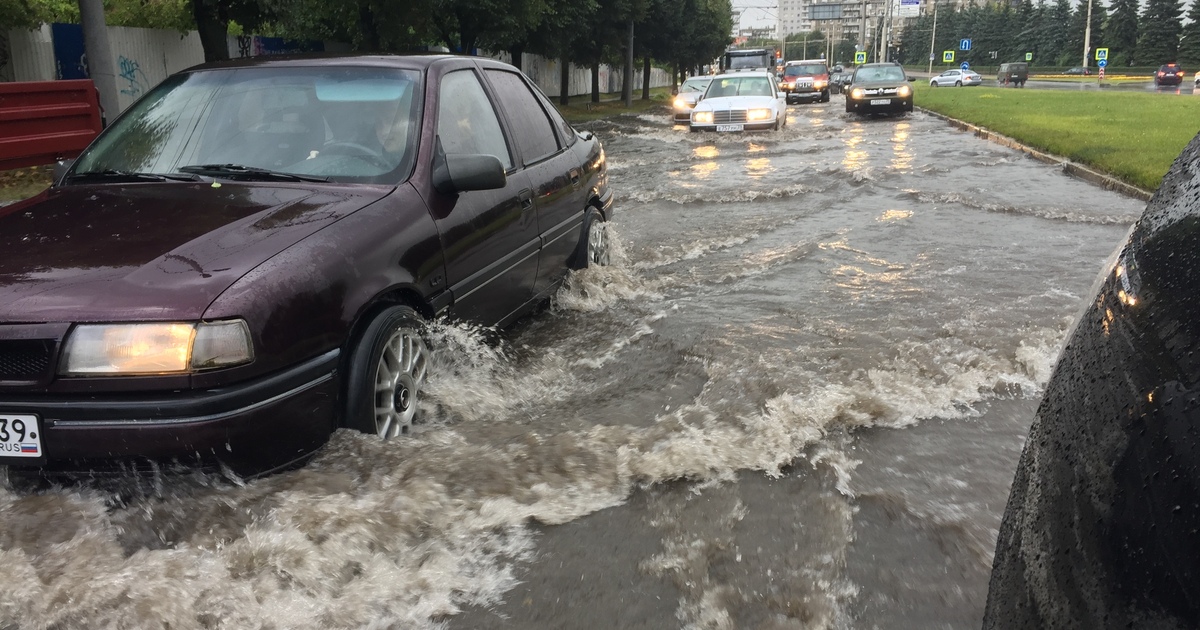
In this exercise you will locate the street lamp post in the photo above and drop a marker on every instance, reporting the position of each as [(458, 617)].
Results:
[(934, 35), (1087, 37)]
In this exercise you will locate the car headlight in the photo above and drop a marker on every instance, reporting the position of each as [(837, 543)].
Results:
[(857, 93), (680, 103), (903, 91), (758, 114), (702, 117), (155, 348), (820, 85)]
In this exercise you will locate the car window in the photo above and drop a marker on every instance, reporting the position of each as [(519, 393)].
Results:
[(352, 124), (467, 123), (532, 129)]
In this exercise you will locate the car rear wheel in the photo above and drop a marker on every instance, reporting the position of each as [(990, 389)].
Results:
[(387, 374), (958, 84)]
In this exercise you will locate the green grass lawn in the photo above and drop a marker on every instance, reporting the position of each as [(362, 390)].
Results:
[(1132, 136)]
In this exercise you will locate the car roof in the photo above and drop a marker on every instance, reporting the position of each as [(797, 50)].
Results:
[(410, 61), (744, 73)]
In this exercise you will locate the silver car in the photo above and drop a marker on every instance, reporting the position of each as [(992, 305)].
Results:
[(690, 92), (957, 78)]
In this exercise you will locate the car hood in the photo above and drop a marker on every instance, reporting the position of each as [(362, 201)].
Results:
[(735, 102), (880, 85), (151, 251), (689, 97)]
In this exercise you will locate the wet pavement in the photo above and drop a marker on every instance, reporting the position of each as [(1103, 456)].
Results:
[(795, 400)]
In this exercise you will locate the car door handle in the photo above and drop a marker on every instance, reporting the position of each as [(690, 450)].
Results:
[(526, 197)]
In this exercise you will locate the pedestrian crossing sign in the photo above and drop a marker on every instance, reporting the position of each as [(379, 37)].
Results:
[(1101, 54), (947, 56), (860, 57)]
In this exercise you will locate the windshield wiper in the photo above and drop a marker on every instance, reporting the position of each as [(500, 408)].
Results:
[(134, 176), (249, 172)]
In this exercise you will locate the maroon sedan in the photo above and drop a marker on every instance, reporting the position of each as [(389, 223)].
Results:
[(242, 263)]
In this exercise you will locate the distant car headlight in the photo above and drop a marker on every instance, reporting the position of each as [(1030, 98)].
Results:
[(758, 114), (820, 85), (702, 117), (903, 91), (155, 348), (857, 93)]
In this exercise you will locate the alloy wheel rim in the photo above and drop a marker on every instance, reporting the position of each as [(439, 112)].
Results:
[(399, 375), (597, 243)]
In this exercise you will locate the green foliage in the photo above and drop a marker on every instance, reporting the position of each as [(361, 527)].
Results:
[(1121, 32), (164, 14), (1189, 43), (1105, 130), (1158, 41)]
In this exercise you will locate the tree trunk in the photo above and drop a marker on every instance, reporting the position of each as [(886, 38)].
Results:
[(517, 52), (595, 81), (627, 83), (646, 78), (212, 29), (564, 82), (368, 28)]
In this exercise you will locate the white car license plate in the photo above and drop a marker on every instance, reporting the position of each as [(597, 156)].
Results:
[(20, 436), (731, 127), (881, 101)]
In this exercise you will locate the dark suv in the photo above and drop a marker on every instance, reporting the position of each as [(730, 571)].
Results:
[(1168, 74), (242, 263), (879, 88)]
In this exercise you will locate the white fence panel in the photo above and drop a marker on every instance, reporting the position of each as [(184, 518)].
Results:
[(144, 57), (31, 55)]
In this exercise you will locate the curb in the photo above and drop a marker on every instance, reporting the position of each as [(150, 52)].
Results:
[(1071, 168)]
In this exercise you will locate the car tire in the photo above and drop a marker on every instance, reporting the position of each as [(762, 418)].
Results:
[(594, 246), (386, 374), (958, 84), (933, 84), (824, 96)]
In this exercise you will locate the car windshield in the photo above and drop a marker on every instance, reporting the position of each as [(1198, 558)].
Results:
[(739, 86), (747, 60), (343, 124), (798, 70), (887, 73), (694, 85)]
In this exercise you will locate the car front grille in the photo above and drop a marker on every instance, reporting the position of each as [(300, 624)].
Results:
[(25, 359), (721, 117)]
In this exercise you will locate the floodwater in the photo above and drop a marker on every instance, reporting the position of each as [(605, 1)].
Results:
[(795, 400)]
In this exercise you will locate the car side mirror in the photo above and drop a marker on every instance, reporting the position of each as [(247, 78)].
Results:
[(60, 170), (462, 172)]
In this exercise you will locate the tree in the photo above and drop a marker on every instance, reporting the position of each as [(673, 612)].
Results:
[(1189, 43), (1158, 41), (1074, 52), (212, 18), (1121, 32)]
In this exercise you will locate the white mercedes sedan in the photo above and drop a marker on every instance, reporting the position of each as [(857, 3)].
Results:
[(740, 101)]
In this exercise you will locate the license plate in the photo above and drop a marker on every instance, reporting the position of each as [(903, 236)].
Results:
[(731, 127), (20, 436), (881, 101)]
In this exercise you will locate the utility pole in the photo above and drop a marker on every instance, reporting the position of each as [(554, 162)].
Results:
[(885, 35), (99, 56), (933, 35), (1087, 37)]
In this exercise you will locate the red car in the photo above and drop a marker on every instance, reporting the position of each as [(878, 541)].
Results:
[(242, 263), (805, 79)]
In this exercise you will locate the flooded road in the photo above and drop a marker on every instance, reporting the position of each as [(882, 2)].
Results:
[(795, 400)]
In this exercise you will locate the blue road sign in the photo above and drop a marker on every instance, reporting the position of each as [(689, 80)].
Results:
[(965, 66), (964, 44), (1102, 63)]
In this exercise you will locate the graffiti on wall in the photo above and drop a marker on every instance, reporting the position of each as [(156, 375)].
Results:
[(131, 74)]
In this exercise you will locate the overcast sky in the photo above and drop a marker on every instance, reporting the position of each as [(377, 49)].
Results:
[(757, 18)]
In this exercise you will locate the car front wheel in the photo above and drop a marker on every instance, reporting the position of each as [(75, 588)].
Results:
[(387, 374), (594, 249), (958, 84)]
